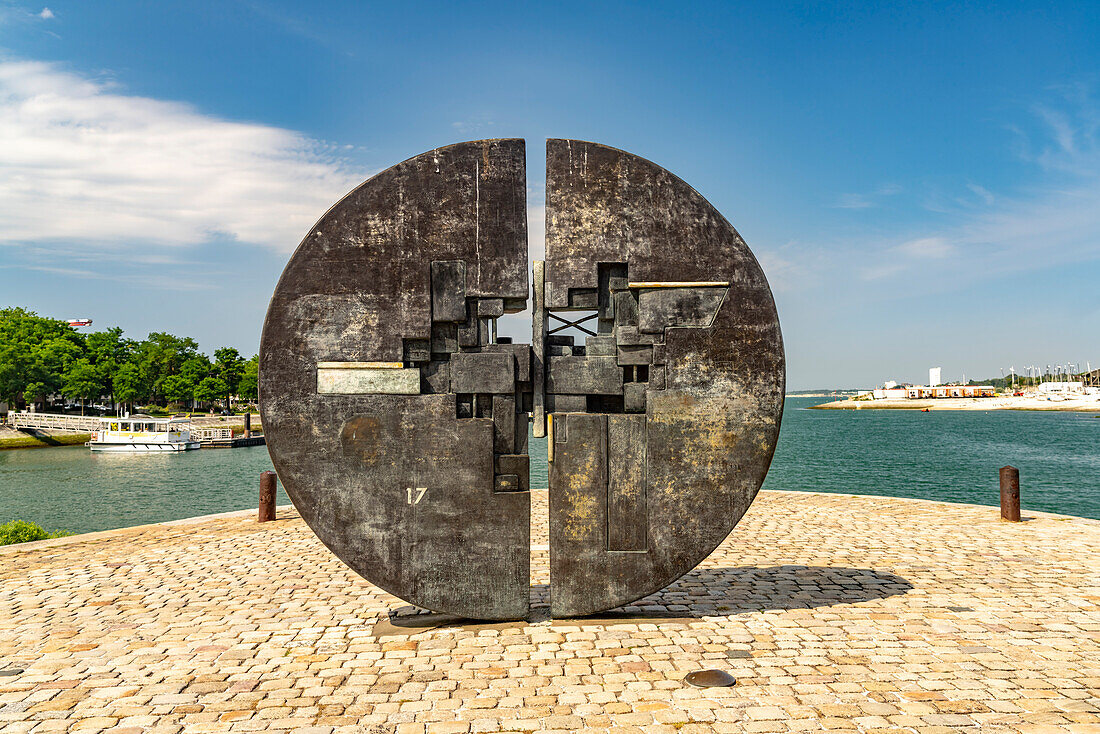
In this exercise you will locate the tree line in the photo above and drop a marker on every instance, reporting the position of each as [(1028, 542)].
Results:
[(43, 357)]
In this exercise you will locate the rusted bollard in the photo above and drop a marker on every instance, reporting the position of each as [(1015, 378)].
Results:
[(267, 496), (248, 424), (1010, 493)]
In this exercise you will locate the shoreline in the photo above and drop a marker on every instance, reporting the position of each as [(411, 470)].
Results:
[(11, 439), (95, 535), (1088, 404), (46, 438)]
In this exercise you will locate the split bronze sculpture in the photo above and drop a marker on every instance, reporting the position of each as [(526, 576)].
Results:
[(398, 421)]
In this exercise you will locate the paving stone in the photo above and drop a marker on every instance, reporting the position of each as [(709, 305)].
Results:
[(832, 612)]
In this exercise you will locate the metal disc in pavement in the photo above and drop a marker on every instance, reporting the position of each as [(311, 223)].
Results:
[(709, 679)]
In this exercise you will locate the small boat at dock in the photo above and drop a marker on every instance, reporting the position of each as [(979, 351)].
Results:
[(143, 434)]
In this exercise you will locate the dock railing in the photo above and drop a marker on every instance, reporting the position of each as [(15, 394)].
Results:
[(25, 419), (91, 424), (211, 433)]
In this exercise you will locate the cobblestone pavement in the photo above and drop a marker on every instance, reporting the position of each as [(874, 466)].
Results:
[(833, 612)]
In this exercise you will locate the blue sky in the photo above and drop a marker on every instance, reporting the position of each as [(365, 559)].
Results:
[(920, 181)]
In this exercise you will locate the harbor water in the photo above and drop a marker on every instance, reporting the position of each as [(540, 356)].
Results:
[(942, 455)]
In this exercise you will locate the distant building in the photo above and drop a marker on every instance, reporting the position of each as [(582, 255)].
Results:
[(934, 377), (921, 392), (950, 391), (1061, 387)]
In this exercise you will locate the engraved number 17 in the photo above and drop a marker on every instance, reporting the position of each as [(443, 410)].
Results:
[(415, 495)]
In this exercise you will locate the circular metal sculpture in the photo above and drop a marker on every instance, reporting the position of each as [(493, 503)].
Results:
[(398, 422)]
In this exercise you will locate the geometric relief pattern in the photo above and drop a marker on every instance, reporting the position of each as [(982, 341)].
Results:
[(398, 419)]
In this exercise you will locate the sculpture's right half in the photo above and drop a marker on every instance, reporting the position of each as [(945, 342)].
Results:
[(663, 422)]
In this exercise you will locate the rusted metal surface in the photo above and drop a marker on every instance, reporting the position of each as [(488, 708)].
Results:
[(411, 269), (267, 497), (399, 426), (1010, 493), (669, 451)]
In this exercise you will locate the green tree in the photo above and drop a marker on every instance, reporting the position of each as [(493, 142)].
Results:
[(34, 354), (36, 389), (250, 379), (130, 384), (195, 370), (81, 381), (108, 351), (178, 388), (229, 367), (210, 390), (163, 355), (55, 358)]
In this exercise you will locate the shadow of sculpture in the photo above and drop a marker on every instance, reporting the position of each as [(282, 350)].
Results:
[(705, 592), (728, 590)]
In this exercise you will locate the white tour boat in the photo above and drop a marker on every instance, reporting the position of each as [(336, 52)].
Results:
[(143, 433)]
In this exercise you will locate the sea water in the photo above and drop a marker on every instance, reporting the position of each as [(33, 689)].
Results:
[(952, 456)]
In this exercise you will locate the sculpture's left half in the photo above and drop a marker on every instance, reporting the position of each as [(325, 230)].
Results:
[(395, 419)]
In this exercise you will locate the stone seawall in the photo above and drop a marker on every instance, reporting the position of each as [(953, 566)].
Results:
[(13, 439)]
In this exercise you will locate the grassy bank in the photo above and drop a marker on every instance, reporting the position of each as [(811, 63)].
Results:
[(27, 441)]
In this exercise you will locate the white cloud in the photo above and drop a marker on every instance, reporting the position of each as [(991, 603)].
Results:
[(879, 272), (866, 201), (982, 192), (1061, 127), (477, 124), (1055, 220), (161, 281), (853, 201), (80, 161), (1053, 227), (46, 14), (926, 247), (1021, 233)]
